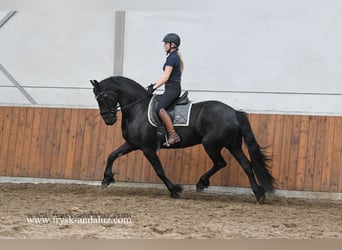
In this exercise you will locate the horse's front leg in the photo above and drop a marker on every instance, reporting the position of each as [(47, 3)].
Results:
[(152, 157), (108, 174)]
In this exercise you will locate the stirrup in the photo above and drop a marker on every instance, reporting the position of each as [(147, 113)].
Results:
[(174, 139)]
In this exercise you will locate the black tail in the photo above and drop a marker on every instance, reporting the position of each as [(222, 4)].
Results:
[(258, 158)]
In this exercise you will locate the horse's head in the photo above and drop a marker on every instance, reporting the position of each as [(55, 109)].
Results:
[(107, 101)]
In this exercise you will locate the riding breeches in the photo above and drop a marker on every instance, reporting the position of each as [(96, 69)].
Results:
[(171, 93)]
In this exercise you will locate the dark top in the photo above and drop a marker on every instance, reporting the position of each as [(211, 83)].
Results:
[(173, 60)]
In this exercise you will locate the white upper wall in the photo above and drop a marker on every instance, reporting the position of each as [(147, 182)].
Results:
[(50, 48), (237, 55), (242, 51), (259, 59), (48, 52)]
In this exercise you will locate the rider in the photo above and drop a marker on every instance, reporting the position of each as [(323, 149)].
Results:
[(173, 69)]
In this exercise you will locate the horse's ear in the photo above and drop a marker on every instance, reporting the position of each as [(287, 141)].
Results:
[(94, 83)]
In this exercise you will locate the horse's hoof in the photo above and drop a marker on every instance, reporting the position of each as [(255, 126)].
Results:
[(260, 195), (261, 200), (176, 190), (106, 183), (175, 195), (200, 186)]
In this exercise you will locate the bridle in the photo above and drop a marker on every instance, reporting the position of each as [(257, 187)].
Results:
[(108, 112), (112, 110)]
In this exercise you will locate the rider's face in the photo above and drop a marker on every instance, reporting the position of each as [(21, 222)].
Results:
[(167, 46)]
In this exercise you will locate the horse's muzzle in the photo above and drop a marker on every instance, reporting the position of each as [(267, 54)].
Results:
[(109, 117), (109, 120)]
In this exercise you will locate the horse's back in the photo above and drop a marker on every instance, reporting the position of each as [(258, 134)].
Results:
[(213, 114), (214, 108)]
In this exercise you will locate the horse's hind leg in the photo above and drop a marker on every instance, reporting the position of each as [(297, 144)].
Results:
[(218, 161), (108, 174), (258, 191)]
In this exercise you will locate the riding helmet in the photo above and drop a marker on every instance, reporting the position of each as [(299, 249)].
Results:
[(172, 38)]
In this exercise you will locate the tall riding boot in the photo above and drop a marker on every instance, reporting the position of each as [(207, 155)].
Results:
[(173, 136)]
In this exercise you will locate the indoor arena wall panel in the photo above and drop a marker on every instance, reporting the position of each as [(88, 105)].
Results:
[(75, 143)]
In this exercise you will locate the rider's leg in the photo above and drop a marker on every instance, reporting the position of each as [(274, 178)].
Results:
[(173, 136)]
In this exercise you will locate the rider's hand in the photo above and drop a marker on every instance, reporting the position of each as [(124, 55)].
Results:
[(150, 89)]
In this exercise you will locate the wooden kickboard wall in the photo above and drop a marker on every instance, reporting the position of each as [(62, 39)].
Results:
[(74, 144)]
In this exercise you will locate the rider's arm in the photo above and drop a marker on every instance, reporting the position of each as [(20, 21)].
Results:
[(165, 77)]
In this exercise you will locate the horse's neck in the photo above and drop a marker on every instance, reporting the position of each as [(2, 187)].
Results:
[(130, 94)]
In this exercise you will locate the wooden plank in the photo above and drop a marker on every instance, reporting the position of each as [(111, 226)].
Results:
[(77, 157), (294, 149), (28, 137), (328, 154), (193, 165), (56, 143), (42, 143), (68, 173), (12, 146), (64, 143), (292, 144), (3, 138), (319, 153), (185, 165), (302, 149), (285, 152), (18, 153), (33, 155), (176, 170), (48, 145), (6, 135), (87, 142), (336, 171), (340, 154), (171, 165), (20, 141), (311, 150)]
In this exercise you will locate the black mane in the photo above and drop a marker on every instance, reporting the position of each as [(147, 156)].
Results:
[(123, 82)]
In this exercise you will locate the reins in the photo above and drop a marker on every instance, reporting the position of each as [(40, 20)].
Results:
[(133, 103), (124, 107)]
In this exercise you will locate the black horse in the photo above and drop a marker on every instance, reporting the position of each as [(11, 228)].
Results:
[(212, 123)]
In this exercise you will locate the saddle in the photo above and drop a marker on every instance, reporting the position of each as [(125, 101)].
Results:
[(179, 111)]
